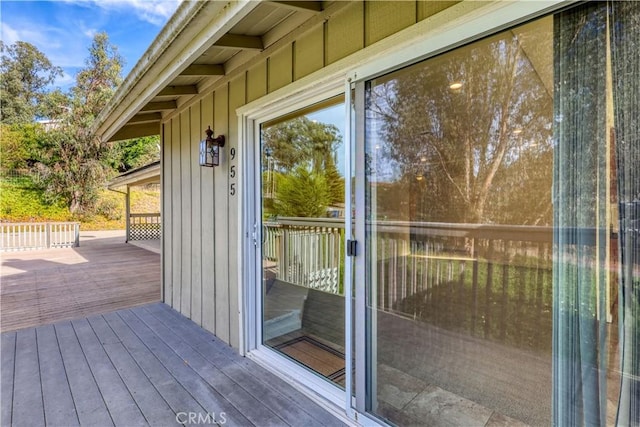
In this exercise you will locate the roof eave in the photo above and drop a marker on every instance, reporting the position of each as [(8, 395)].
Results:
[(148, 174), (193, 28)]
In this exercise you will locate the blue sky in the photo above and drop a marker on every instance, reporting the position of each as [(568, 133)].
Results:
[(63, 29)]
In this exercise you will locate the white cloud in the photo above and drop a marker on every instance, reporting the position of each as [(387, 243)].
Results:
[(65, 80), (8, 34), (155, 12), (90, 32), (61, 47), (65, 37)]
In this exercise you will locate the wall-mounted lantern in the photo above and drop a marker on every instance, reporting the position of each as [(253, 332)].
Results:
[(210, 149)]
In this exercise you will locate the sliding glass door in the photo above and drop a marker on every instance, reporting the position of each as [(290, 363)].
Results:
[(496, 212), (302, 207), (495, 268)]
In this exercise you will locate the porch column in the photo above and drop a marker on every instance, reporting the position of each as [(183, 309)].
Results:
[(127, 204)]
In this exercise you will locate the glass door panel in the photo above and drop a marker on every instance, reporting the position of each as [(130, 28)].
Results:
[(490, 231), (303, 238)]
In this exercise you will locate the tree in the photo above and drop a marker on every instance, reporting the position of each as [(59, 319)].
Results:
[(301, 193), (96, 83), (335, 183), (25, 73), (301, 141), (458, 150), (75, 162), (19, 145), (311, 145), (134, 153)]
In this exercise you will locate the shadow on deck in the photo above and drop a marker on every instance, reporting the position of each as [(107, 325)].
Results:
[(82, 345), (147, 365), (103, 274)]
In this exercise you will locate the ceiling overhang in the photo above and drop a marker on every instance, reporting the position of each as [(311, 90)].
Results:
[(199, 45)]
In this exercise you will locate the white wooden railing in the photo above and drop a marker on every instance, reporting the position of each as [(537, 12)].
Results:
[(309, 251), (39, 235), (488, 278)]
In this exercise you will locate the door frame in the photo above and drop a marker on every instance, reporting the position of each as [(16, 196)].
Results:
[(456, 26), (251, 117), (481, 21)]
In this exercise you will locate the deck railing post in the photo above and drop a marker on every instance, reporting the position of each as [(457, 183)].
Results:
[(47, 232), (77, 234)]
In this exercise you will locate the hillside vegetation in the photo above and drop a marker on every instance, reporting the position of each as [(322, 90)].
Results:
[(23, 201)]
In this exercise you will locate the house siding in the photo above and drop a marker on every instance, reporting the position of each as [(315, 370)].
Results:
[(201, 218)]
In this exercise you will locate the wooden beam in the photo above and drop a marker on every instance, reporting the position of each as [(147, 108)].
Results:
[(136, 131), (178, 90), (237, 41), (203, 70), (310, 6), (159, 106), (145, 118)]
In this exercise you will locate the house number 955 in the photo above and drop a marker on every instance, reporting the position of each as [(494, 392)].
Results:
[(232, 173)]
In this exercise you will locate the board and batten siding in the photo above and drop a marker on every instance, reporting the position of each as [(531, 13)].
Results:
[(201, 217)]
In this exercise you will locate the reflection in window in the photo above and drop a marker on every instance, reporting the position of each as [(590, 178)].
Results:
[(492, 233), (303, 238)]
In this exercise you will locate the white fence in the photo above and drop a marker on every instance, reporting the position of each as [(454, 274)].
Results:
[(309, 251), (38, 235)]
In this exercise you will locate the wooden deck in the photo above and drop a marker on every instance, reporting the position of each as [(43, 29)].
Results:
[(142, 366), (104, 274)]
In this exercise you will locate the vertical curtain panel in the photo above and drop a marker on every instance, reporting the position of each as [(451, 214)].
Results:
[(579, 179), (625, 48), (589, 40)]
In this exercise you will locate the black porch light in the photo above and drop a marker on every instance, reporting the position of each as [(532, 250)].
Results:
[(210, 149)]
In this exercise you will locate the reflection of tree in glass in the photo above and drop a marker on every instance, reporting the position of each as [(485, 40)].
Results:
[(301, 193), (310, 145), (479, 151), (302, 142)]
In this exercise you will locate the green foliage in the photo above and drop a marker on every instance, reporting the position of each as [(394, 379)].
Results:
[(53, 105), (110, 209), (96, 83), (301, 194), (70, 162), (25, 72), (335, 182), (466, 155), (134, 153), (18, 145), (75, 163), (306, 150), (21, 201), (301, 142), (71, 168)]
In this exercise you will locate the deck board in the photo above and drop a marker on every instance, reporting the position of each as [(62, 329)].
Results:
[(58, 403), (86, 342), (294, 406), (90, 405), (251, 407), (120, 403), (204, 394), (46, 286), (8, 346), (171, 391), (28, 409), (140, 366)]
